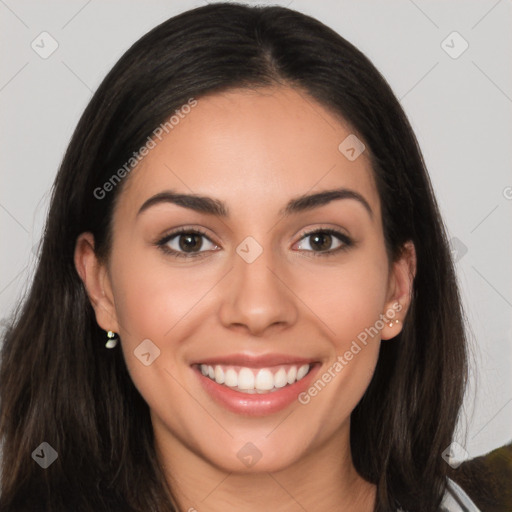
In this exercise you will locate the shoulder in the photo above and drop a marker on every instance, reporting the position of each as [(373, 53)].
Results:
[(456, 500)]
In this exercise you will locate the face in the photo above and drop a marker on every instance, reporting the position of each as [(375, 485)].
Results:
[(275, 297)]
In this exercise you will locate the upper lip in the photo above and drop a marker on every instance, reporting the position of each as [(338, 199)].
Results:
[(255, 361)]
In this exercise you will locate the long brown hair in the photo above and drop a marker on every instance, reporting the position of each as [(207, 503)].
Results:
[(59, 385)]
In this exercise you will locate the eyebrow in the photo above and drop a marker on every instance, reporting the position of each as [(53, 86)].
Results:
[(211, 206)]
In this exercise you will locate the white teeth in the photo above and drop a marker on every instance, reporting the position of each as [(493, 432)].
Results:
[(219, 375), (301, 372), (246, 379), (252, 381), (264, 380), (231, 379), (280, 378), (292, 374)]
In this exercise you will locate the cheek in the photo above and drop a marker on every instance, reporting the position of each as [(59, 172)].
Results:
[(349, 298), (349, 301), (153, 296), (351, 309)]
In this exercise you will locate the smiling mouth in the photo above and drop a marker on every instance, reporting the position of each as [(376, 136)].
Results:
[(255, 380)]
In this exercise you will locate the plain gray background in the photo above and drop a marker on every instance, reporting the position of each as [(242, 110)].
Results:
[(460, 109)]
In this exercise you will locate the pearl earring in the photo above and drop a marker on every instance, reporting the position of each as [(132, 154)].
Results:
[(112, 339), (393, 323)]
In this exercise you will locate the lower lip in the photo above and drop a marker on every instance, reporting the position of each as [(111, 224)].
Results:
[(255, 404)]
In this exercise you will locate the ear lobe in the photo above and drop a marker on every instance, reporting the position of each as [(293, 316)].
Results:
[(95, 277), (399, 291)]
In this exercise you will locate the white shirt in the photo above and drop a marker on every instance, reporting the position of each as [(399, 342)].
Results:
[(456, 500)]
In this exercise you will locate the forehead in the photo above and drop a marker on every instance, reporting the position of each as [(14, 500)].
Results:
[(251, 147)]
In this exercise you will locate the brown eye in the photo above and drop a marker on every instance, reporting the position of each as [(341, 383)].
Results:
[(186, 243), (324, 241), (321, 241), (190, 242)]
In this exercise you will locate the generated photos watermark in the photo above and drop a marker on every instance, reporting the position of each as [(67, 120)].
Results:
[(143, 151), (343, 360)]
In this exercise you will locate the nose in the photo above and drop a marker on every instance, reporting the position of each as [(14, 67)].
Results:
[(256, 297)]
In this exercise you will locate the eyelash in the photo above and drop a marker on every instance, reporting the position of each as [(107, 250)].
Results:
[(162, 243)]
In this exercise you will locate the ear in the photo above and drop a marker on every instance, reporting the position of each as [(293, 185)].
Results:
[(400, 287), (96, 280)]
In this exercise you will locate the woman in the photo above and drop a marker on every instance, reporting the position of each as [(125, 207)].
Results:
[(244, 295)]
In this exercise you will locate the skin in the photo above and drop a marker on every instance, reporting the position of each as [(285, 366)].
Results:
[(254, 150)]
